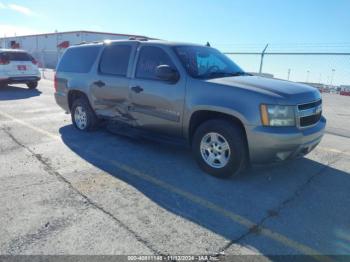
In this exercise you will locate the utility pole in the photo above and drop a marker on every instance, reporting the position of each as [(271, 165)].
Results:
[(328, 81), (262, 59), (289, 70), (307, 76), (332, 77)]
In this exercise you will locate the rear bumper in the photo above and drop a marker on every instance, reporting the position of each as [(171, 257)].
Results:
[(62, 101), (20, 79), (268, 144)]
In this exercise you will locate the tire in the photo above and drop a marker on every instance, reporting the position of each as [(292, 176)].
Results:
[(32, 85), (83, 116), (223, 141), (3, 85)]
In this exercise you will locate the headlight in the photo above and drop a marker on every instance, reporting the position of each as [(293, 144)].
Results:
[(277, 115)]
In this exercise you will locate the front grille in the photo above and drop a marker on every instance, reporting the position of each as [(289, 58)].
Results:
[(310, 113), (309, 105), (310, 120)]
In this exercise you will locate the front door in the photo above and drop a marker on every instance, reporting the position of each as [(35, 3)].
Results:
[(156, 105)]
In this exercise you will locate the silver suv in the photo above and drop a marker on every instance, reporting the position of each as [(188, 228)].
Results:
[(192, 93)]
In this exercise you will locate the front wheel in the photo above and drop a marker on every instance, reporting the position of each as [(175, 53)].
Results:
[(83, 117), (220, 149), (32, 85)]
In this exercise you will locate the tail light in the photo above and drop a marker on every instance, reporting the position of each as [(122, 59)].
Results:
[(35, 62), (4, 61), (55, 84)]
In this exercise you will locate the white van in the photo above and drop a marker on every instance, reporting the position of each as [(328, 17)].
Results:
[(17, 66)]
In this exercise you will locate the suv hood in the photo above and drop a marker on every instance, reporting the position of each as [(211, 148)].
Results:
[(280, 89)]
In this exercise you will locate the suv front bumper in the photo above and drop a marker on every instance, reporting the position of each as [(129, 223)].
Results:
[(272, 144)]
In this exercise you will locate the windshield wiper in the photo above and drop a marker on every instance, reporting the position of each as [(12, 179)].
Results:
[(240, 74), (223, 74)]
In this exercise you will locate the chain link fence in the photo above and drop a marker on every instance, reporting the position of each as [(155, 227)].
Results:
[(326, 66), (330, 70)]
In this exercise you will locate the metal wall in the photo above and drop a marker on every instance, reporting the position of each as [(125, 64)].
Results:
[(45, 47)]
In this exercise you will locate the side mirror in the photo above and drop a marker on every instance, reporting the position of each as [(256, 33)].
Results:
[(166, 73)]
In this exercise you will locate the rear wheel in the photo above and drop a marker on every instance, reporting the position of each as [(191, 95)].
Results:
[(83, 116), (32, 85), (219, 148)]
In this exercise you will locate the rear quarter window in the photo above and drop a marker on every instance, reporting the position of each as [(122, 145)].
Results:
[(115, 60), (78, 59)]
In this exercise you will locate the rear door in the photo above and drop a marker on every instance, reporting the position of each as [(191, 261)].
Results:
[(110, 86), (157, 105), (20, 64)]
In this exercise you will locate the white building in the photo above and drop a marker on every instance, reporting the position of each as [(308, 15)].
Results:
[(47, 48)]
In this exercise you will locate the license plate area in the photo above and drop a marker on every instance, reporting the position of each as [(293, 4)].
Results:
[(22, 67)]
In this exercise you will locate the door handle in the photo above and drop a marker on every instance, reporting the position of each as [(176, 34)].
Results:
[(99, 83), (137, 89)]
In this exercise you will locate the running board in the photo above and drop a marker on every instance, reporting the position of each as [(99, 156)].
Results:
[(126, 130)]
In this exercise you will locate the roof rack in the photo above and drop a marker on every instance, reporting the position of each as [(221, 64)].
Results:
[(107, 41), (88, 42), (138, 38)]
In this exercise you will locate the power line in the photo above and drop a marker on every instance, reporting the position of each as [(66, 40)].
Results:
[(287, 53)]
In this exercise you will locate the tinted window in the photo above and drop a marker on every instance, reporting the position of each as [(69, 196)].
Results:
[(115, 60), (16, 56), (78, 59), (149, 59)]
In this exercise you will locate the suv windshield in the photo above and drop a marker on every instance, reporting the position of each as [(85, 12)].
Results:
[(206, 62)]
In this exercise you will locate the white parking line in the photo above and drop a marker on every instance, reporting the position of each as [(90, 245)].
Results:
[(44, 110), (37, 129), (333, 150)]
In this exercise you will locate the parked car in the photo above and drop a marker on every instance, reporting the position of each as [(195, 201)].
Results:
[(345, 93), (195, 93), (18, 67)]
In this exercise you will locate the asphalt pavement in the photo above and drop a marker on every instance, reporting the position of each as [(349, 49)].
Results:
[(67, 192)]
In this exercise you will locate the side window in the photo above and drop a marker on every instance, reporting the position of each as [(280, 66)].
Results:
[(149, 59), (205, 63), (115, 60), (78, 59)]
